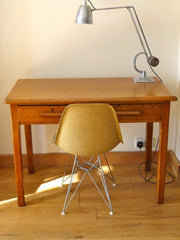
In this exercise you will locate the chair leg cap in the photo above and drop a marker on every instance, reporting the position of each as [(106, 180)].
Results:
[(63, 213), (111, 213)]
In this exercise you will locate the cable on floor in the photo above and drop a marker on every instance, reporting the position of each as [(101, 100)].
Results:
[(150, 166)]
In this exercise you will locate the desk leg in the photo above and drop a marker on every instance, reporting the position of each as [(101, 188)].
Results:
[(149, 135), (29, 148), (163, 140), (17, 155)]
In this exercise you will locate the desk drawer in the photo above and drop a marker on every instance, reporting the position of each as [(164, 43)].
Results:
[(39, 114), (138, 112), (125, 113)]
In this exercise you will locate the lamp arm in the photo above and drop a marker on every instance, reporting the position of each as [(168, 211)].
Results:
[(136, 24), (141, 30), (92, 5)]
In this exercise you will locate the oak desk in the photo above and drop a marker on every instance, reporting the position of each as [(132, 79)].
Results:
[(41, 101)]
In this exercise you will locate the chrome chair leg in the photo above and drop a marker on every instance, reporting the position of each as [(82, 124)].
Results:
[(69, 187), (112, 177), (105, 186), (102, 176), (74, 170), (64, 179)]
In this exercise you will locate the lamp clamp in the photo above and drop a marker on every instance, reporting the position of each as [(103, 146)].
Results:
[(143, 77)]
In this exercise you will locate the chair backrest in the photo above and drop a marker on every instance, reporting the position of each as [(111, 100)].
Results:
[(88, 129)]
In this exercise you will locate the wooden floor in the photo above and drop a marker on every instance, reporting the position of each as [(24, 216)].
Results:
[(136, 214)]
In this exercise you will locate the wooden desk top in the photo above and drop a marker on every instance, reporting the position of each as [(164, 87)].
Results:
[(70, 90)]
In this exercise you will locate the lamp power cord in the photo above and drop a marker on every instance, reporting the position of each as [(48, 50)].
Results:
[(150, 166)]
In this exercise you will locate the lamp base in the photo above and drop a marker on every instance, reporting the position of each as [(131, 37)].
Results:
[(143, 80)]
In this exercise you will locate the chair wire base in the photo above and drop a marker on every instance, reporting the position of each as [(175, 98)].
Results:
[(65, 178), (87, 167)]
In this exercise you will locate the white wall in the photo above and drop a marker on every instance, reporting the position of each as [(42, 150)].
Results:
[(40, 39), (177, 121)]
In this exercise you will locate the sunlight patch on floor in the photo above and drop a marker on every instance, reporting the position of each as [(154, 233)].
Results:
[(8, 201), (106, 169), (56, 183)]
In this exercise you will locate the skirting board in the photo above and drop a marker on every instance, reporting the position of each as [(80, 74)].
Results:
[(175, 164), (60, 159)]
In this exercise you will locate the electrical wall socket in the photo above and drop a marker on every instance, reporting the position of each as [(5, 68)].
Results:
[(140, 139), (143, 139)]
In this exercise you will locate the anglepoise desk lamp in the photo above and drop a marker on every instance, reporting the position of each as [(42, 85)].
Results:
[(84, 16)]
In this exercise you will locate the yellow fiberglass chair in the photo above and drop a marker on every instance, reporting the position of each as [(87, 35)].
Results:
[(87, 130)]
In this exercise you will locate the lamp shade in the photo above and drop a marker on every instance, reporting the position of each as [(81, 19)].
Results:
[(84, 14)]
